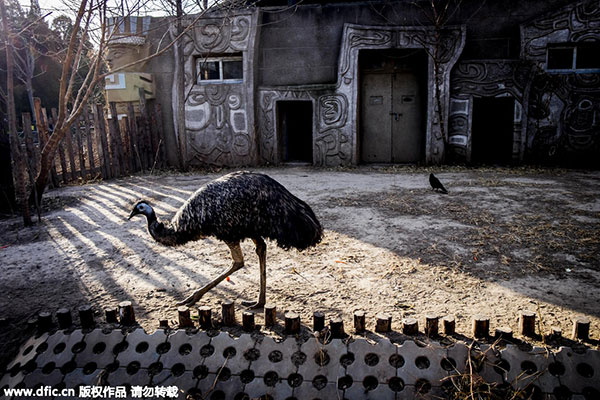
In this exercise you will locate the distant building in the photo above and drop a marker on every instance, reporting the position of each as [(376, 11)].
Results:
[(345, 83)]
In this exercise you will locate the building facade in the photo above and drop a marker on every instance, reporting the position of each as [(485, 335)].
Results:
[(335, 84)]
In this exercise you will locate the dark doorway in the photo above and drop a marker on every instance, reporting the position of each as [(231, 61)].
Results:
[(392, 110), (295, 131), (493, 129)]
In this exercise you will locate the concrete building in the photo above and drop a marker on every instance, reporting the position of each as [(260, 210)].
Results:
[(345, 83)]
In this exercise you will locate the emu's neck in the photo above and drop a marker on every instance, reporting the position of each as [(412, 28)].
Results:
[(163, 232), (151, 218)]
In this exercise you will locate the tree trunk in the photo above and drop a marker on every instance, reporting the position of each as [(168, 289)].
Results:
[(181, 130), (46, 161), (18, 161)]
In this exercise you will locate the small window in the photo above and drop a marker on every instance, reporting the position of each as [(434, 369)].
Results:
[(560, 58), (219, 69), (209, 71), (578, 58), (588, 56)]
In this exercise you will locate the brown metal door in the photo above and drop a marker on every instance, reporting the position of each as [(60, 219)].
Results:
[(406, 118), (390, 118), (375, 118)]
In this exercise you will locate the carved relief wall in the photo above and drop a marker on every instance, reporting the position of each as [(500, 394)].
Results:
[(330, 113), (219, 115), (336, 108), (447, 47), (485, 78), (236, 123), (564, 108)]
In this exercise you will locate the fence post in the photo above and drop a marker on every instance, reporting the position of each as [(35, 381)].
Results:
[(100, 127), (82, 171), (115, 136), (69, 144), (134, 137), (31, 161), (61, 150), (42, 127), (148, 137), (90, 146)]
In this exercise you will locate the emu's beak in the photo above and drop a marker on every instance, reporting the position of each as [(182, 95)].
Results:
[(134, 212)]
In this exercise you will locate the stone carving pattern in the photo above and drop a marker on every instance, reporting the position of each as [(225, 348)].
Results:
[(564, 116), (219, 35), (268, 140), (574, 23), (217, 120), (333, 112), (357, 37), (331, 145), (563, 109), (489, 78), (458, 128)]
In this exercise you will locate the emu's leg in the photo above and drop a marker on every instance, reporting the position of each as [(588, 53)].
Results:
[(261, 250), (238, 262)]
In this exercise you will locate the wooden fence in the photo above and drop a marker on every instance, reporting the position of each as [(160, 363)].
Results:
[(98, 147)]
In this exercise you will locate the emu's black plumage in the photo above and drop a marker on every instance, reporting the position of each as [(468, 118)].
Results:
[(232, 208)]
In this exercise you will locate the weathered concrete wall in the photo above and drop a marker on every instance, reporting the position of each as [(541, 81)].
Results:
[(564, 109), (219, 116), (301, 45), (556, 114), (336, 131), (308, 52), (486, 78)]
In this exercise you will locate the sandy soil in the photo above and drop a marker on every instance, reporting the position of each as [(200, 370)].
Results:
[(500, 242)]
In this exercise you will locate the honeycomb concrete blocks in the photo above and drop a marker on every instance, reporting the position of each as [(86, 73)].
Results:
[(372, 360), (184, 349), (577, 372), (62, 347), (485, 362), (29, 350), (99, 347), (528, 368), (456, 358), (214, 364), (141, 348), (279, 356)]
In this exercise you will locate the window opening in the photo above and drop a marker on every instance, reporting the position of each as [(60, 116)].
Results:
[(577, 58), (219, 69)]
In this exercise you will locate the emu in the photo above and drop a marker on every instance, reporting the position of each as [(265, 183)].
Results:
[(232, 208)]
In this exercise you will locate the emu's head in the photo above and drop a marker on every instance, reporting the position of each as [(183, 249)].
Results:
[(142, 207)]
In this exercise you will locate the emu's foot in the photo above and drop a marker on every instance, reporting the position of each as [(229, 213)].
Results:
[(253, 305), (193, 299)]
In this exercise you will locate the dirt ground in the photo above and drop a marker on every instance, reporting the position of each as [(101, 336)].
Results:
[(502, 241)]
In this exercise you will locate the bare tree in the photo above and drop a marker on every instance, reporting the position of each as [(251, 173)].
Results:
[(438, 13), (73, 97)]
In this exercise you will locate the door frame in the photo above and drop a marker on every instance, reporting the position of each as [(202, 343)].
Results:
[(361, 37), (422, 89)]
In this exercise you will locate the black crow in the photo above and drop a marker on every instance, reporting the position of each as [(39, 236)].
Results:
[(436, 184)]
